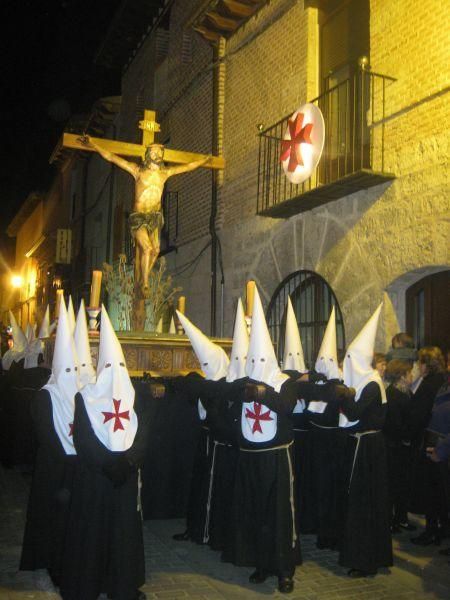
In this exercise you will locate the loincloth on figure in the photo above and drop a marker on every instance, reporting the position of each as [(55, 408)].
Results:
[(150, 221)]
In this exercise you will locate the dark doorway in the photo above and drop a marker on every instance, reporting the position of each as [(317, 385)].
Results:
[(427, 311)]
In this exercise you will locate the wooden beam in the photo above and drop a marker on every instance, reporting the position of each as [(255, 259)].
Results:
[(238, 8), (222, 22), (180, 157), (71, 140), (208, 34)]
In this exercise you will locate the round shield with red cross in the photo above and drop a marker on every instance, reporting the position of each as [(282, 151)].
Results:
[(302, 144)]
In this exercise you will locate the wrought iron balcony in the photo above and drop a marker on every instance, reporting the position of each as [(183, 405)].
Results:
[(353, 153)]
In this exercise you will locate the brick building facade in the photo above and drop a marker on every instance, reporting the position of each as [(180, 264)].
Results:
[(374, 242)]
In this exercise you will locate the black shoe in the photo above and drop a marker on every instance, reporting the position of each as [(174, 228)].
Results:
[(445, 552), (285, 585), (407, 526), (356, 573), (258, 576), (181, 537), (427, 539)]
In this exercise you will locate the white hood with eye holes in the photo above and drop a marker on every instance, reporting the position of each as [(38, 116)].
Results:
[(327, 361), (110, 401), (358, 370), (236, 369), (259, 423), (293, 359), (212, 358), (63, 383)]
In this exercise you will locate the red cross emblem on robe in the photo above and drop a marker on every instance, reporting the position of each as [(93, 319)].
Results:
[(299, 135), (116, 415), (258, 416)]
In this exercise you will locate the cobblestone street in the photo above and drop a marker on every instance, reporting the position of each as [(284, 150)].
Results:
[(181, 570)]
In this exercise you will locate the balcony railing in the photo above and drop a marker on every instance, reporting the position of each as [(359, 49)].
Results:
[(353, 153)]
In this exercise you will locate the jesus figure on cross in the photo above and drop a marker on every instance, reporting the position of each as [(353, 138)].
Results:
[(147, 219)]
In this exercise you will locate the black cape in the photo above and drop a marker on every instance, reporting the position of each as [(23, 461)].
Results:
[(105, 551), (23, 391), (50, 494), (167, 471)]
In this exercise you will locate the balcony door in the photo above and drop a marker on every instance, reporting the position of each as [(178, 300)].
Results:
[(345, 90)]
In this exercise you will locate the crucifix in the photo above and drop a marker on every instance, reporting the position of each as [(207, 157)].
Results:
[(147, 220)]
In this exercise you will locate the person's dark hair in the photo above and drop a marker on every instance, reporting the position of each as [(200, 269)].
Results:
[(433, 358), (396, 369), (402, 340), (378, 357)]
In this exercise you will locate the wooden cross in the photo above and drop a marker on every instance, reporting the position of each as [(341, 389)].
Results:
[(149, 126)]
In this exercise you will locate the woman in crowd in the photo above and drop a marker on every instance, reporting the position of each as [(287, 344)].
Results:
[(432, 375), (398, 375)]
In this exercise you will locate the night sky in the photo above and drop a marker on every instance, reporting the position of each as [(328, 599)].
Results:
[(47, 73)]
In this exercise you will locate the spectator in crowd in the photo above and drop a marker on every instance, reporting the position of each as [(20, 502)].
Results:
[(398, 445), (379, 363), (437, 445)]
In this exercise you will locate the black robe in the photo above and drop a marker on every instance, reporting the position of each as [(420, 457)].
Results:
[(193, 387), (398, 446), (327, 451), (366, 543), (222, 466), (167, 471), (104, 550), (10, 379), (50, 494), (305, 493), (263, 505), (421, 406), (23, 391)]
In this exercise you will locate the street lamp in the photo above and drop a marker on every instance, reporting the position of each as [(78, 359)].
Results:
[(16, 281)]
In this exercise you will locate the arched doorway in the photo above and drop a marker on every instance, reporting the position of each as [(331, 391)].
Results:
[(312, 299), (427, 311)]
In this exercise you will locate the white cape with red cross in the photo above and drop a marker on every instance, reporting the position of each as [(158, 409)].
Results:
[(109, 401)]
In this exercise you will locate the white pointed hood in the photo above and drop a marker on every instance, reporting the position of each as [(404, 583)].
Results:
[(358, 370), (293, 359), (110, 401), (259, 423), (236, 368), (63, 383), (44, 331), (262, 364), (212, 358), (71, 315), (159, 327), (86, 371), (327, 360), (33, 349), (32, 352), (17, 352), (29, 333)]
